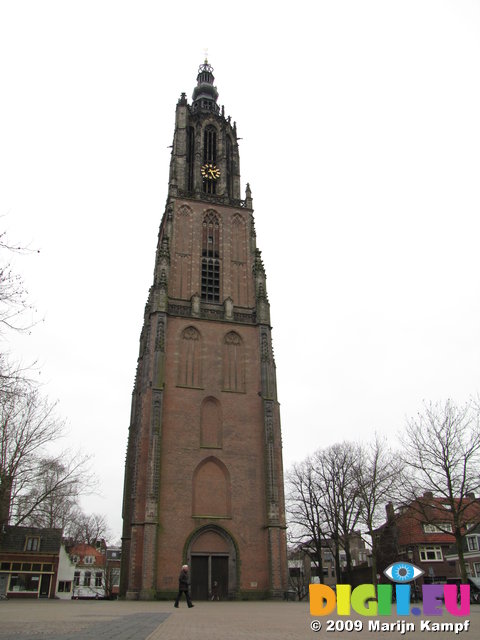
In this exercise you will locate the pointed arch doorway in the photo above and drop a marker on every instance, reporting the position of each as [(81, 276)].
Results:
[(212, 556)]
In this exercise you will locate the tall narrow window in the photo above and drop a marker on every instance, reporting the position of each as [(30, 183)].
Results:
[(229, 168), (233, 363), (190, 157), (183, 253), (239, 264), (211, 258), (209, 155), (189, 371), (210, 423)]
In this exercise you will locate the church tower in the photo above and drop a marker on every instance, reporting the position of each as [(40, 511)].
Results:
[(203, 474)]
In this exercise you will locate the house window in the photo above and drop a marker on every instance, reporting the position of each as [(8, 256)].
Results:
[(75, 559), (430, 553), (89, 559), (441, 527), (115, 575), (98, 579), (32, 544), (476, 567), (86, 578), (76, 579), (24, 582), (64, 586), (472, 542)]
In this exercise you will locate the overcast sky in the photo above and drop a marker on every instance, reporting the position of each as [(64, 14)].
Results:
[(360, 137)]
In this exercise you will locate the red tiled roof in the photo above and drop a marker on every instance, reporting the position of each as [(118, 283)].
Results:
[(428, 509)]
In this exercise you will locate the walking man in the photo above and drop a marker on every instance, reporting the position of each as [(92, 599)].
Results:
[(183, 584)]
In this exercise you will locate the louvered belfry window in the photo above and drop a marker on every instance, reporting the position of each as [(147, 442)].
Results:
[(209, 155), (190, 158), (211, 258), (229, 168)]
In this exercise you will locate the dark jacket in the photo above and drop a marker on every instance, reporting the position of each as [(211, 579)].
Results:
[(183, 581)]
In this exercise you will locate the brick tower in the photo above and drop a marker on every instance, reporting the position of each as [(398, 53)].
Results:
[(203, 474)]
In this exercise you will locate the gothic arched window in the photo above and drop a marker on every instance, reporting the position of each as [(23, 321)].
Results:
[(229, 175), (211, 489), (190, 157), (239, 264), (183, 253), (233, 363), (189, 371), (211, 258), (211, 423)]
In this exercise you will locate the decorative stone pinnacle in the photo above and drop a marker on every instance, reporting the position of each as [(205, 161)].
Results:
[(258, 267), (163, 283), (164, 251)]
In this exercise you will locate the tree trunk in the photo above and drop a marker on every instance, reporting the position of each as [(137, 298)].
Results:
[(6, 484), (374, 558), (319, 561), (461, 558)]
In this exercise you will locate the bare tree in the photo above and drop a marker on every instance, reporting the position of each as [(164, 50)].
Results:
[(91, 529), (441, 450), (323, 503), (305, 514), (49, 498), (14, 302), (28, 475), (340, 503), (36, 487), (378, 475)]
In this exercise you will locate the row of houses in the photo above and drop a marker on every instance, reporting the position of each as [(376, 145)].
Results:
[(39, 563), (420, 533)]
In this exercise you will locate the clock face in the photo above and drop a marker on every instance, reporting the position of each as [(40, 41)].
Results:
[(210, 171)]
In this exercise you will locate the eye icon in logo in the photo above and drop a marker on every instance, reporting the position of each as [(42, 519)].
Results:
[(403, 572)]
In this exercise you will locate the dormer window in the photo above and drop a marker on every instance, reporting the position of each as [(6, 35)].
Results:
[(472, 543), (89, 560), (441, 527), (32, 543)]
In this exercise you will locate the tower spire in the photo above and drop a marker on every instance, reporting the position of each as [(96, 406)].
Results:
[(205, 94)]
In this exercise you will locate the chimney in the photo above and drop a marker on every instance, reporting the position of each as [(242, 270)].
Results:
[(390, 511)]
